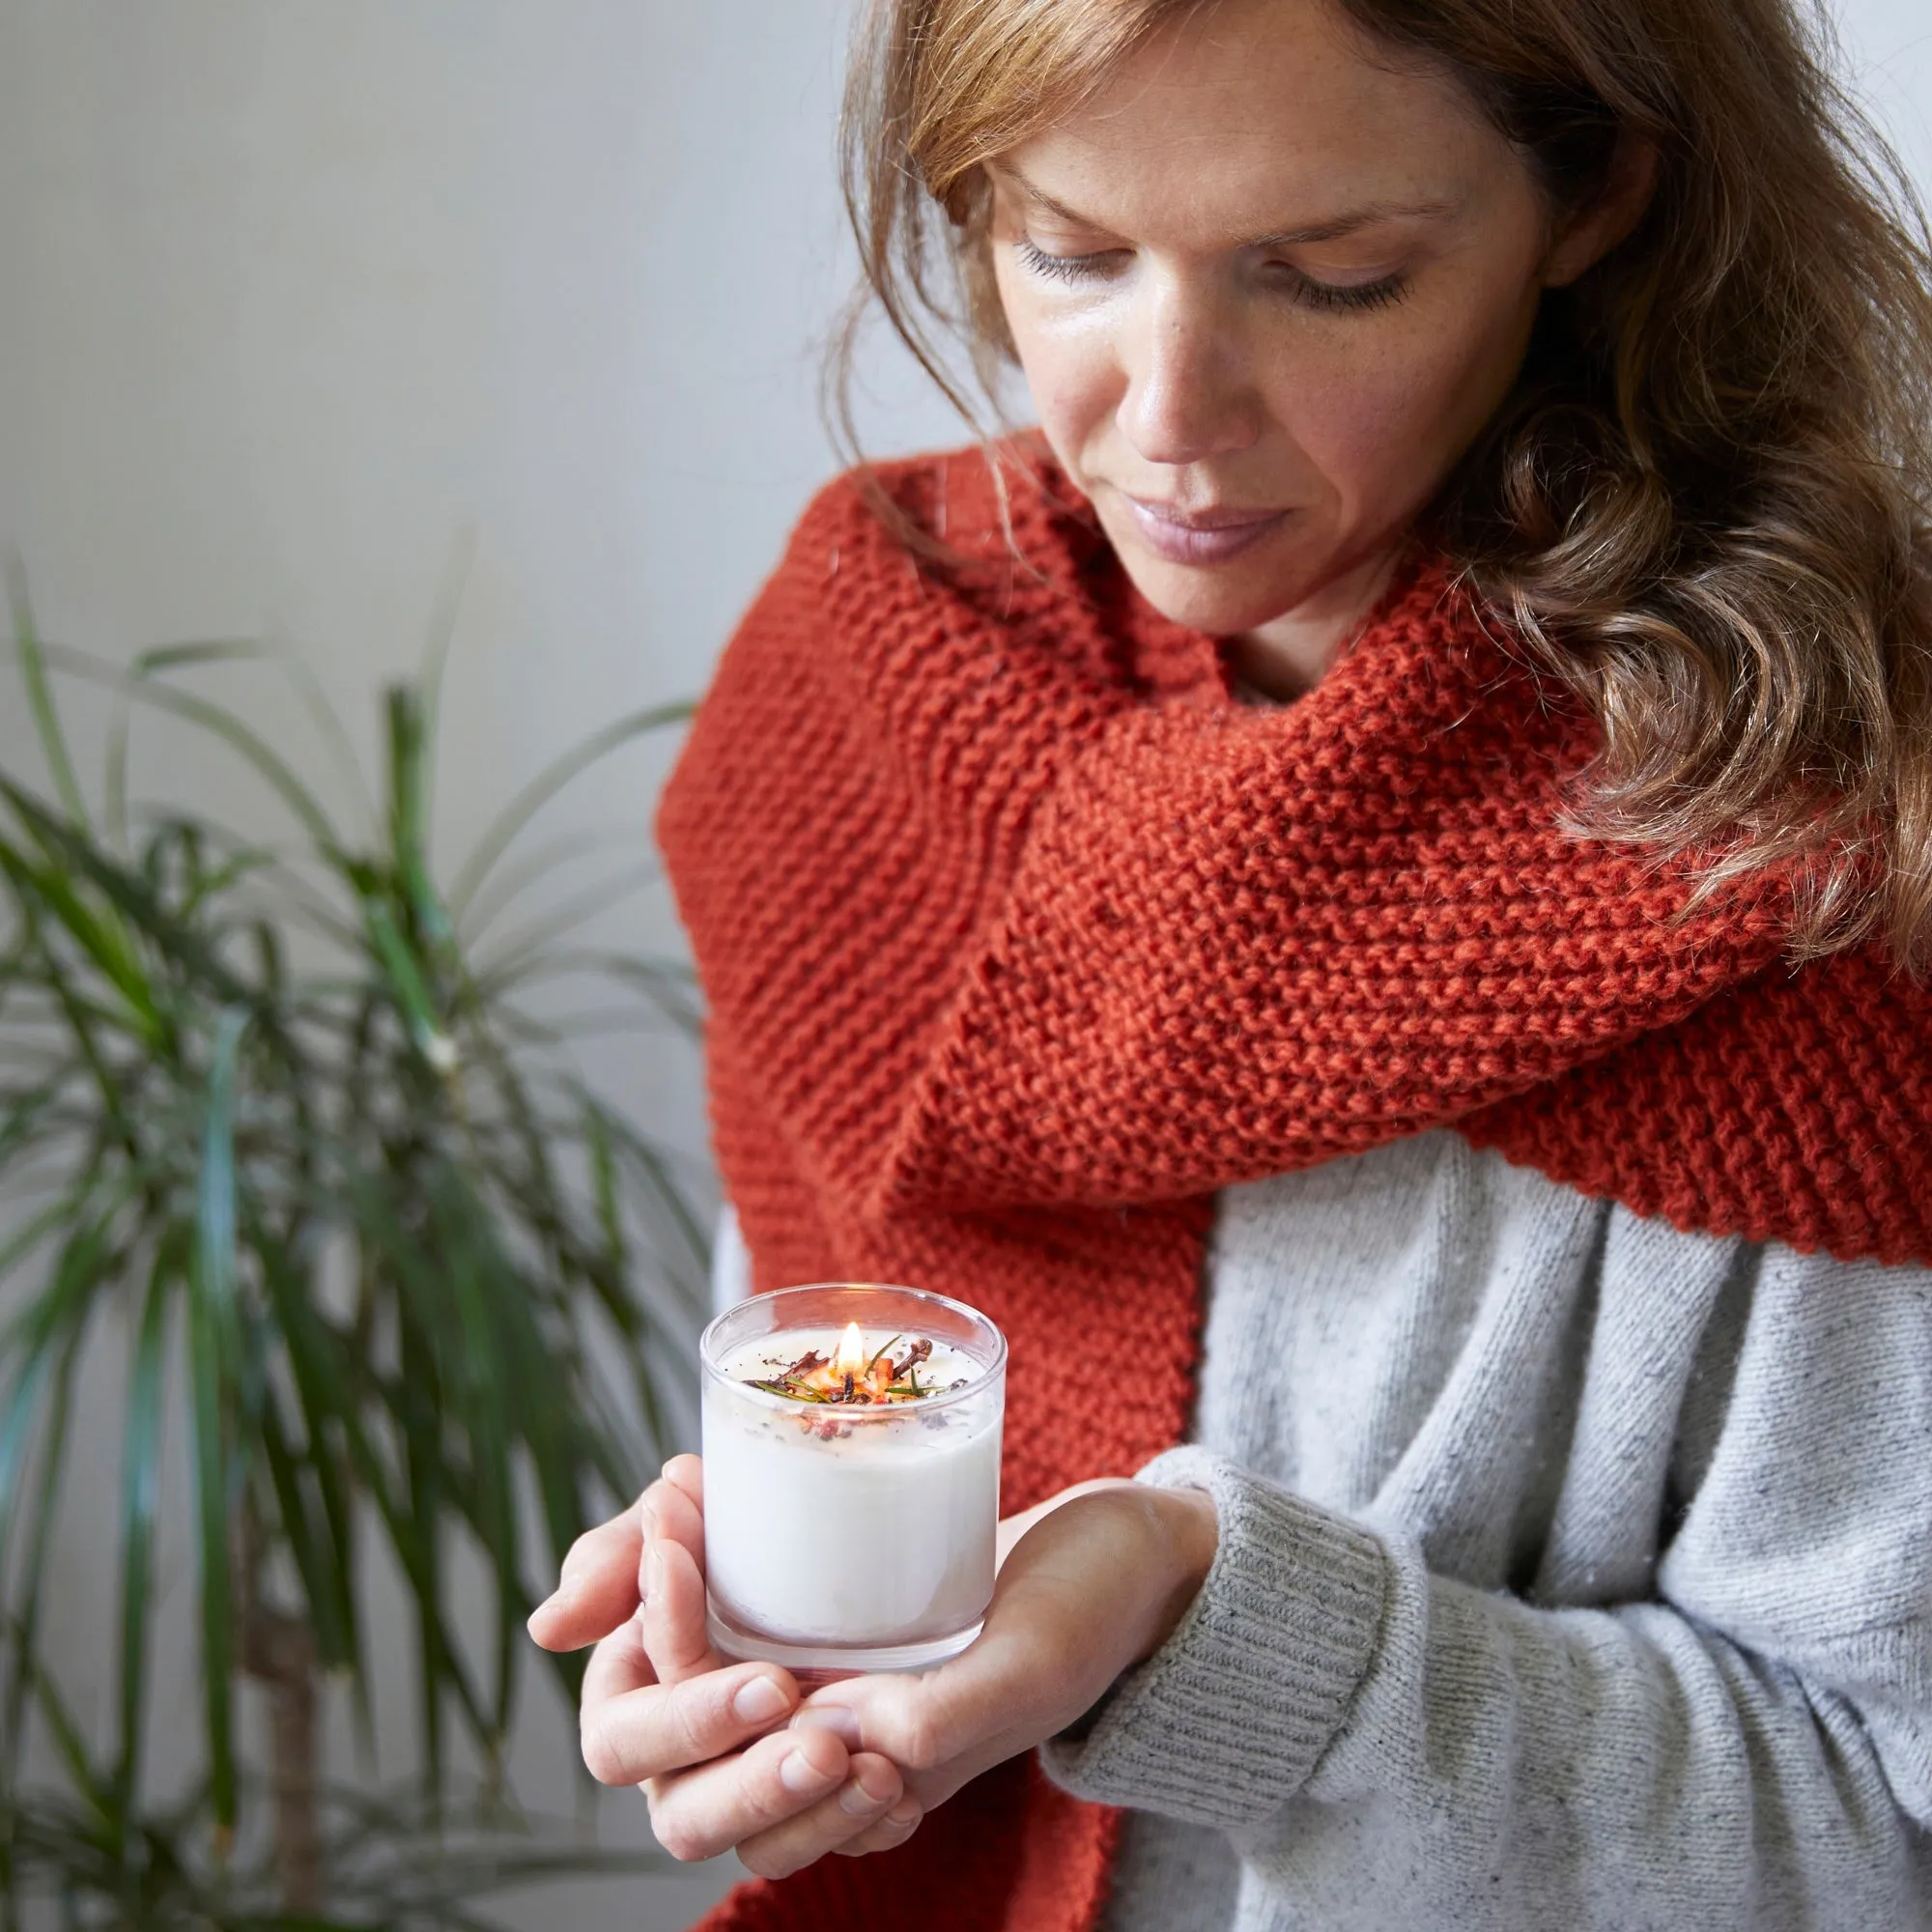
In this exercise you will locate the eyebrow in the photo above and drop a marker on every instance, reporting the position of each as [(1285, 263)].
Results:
[(1331, 229)]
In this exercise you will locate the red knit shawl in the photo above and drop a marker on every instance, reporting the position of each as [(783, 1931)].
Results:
[(1022, 936)]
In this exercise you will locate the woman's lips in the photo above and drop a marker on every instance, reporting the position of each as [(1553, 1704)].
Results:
[(1202, 536)]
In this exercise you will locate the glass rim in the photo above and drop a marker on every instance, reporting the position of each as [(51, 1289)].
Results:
[(868, 1414)]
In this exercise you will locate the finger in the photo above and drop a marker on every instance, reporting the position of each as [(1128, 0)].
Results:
[(617, 1666), (872, 1788), (894, 1828), (939, 1736), (915, 1722), (699, 1814), (673, 1620), (597, 1589), (669, 1511), (653, 1730), (687, 1473)]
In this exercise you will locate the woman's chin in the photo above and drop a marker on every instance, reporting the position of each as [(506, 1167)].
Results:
[(1223, 600)]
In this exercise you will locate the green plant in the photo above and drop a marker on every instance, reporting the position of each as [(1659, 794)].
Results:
[(291, 1121)]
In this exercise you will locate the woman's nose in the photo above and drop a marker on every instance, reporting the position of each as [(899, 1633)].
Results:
[(1189, 394)]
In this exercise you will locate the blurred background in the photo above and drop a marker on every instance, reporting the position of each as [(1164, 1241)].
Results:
[(350, 329)]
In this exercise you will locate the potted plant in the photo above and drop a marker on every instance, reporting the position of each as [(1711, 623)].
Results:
[(290, 1118)]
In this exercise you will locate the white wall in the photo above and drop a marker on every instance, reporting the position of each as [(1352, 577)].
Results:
[(291, 291)]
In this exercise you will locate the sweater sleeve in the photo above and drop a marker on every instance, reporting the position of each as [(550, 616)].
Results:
[(1751, 1747)]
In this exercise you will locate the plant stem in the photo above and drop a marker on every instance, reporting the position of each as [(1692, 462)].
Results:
[(278, 1650)]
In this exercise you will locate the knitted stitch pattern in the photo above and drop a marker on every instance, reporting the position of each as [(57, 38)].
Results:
[(1022, 937)]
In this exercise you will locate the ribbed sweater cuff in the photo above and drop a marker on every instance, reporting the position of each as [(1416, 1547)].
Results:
[(1223, 1725)]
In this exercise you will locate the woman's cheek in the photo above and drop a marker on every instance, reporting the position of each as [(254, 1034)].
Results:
[(1385, 427), (1360, 432), (1074, 394)]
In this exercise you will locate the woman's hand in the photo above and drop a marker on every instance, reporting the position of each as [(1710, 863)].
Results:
[(1095, 1584), (1091, 1581), (705, 1740)]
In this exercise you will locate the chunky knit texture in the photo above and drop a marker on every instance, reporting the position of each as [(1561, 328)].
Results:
[(1021, 938)]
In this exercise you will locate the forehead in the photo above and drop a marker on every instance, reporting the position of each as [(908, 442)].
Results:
[(1254, 115)]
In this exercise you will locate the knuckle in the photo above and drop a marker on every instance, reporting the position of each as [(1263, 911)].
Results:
[(682, 1840), (692, 1709), (918, 1741), (604, 1757), (676, 1825)]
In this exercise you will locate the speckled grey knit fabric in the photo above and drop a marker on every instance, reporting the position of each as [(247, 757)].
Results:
[(1575, 1573)]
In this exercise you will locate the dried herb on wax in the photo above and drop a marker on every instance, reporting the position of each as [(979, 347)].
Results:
[(814, 1379)]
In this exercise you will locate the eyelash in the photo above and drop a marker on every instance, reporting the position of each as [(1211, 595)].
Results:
[(1306, 290)]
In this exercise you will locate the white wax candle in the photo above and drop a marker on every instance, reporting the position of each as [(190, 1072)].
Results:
[(851, 1526)]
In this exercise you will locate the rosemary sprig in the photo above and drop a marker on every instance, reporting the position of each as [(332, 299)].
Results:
[(779, 1386), (870, 1366)]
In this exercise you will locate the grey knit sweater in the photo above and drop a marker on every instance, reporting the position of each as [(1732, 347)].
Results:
[(1574, 1573)]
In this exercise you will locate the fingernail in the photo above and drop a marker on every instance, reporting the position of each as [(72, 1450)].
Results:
[(798, 1773), (759, 1701), (902, 1815), (843, 1724), (855, 1801)]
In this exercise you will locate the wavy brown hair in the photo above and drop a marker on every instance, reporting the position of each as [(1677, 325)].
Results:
[(1706, 507)]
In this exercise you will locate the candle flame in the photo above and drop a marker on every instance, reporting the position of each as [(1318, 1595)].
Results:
[(851, 1357)]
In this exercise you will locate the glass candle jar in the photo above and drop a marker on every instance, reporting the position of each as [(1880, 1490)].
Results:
[(851, 1477)]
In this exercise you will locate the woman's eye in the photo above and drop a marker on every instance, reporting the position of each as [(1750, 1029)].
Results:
[(1062, 267), (1333, 295), (1299, 286)]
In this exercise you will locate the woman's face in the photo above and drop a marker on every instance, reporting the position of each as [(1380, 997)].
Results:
[(1265, 291)]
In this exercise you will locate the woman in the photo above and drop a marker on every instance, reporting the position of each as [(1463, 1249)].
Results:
[(1360, 893)]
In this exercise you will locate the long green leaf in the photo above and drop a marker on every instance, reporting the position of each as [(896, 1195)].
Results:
[(406, 981), (18, 1245), (140, 1478), (410, 1400), (538, 864), (86, 1260), (409, 823), (25, 1609), (328, 721), (530, 943), (546, 786), (423, 1473), (441, 638), (212, 1377), (223, 722), (100, 935), (130, 893), (33, 656), (330, 1567), (328, 1401), (307, 1547), (66, 1737), (114, 790)]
